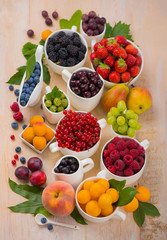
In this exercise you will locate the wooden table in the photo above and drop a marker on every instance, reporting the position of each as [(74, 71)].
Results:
[(148, 25)]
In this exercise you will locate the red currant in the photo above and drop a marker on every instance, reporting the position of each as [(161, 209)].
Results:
[(12, 137), (65, 112), (16, 156), (13, 162)]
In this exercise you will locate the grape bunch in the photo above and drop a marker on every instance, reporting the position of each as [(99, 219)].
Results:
[(124, 122)]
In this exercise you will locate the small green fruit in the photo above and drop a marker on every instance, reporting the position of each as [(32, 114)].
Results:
[(48, 103), (53, 108), (57, 101)]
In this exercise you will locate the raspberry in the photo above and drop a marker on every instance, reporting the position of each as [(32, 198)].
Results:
[(108, 161), (115, 140), (135, 165), (106, 153), (121, 145), (128, 159), (128, 171), (15, 107), (114, 155), (131, 144), (18, 116), (124, 152), (141, 151), (111, 147), (112, 169), (119, 164), (134, 153), (119, 173), (12, 137), (140, 160)]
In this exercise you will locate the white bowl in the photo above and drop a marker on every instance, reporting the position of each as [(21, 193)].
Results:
[(81, 103), (52, 117), (108, 84), (58, 69)]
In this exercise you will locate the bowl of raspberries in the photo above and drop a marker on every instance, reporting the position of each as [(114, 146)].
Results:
[(65, 49), (117, 60), (123, 158)]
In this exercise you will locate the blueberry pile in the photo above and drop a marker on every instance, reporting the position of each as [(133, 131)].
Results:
[(86, 83), (93, 25), (67, 165), (30, 84), (65, 50)]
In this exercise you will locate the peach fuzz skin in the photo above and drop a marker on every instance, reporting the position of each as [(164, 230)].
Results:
[(59, 198)]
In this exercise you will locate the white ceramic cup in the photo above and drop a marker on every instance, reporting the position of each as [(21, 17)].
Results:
[(109, 84), (105, 173), (81, 103), (58, 69), (75, 178), (118, 215), (82, 154), (89, 39), (36, 94), (52, 117)]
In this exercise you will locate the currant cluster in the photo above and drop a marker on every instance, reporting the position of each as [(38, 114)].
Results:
[(77, 131)]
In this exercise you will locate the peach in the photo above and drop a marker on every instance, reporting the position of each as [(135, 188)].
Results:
[(59, 198)]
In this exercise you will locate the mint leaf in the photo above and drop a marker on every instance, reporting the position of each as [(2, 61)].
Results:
[(43, 211), (29, 49), (42, 42), (46, 75), (17, 77), (149, 209), (78, 217), (30, 66), (74, 21), (54, 93), (26, 207), (139, 216), (126, 195), (118, 185)]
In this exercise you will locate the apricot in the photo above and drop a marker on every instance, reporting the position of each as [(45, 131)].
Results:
[(39, 142), (49, 134), (28, 134), (35, 119), (40, 129)]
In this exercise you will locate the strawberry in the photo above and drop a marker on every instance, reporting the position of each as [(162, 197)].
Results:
[(120, 65), (121, 40), (114, 77), (111, 45), (134, 70), (94, 59), (138, 60), (119, 52), (103, 70), (97, 45), (104, 41), (131, 49), (109, 60), (130, 60), (125, 77), (101, 52)]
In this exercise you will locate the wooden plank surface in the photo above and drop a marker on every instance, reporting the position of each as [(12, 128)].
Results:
[(148, 24)]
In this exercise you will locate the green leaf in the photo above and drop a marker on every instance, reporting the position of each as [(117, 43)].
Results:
[(42, 42), (64, 24), (118, 185), (126, 195), (26, 207), (17, 77), (77, 216), (74, 21), (53, 94), (149, 209), (108, 31), (43, 211), (139, 216), (21, 69), (28, 49), (46, 75), (30, 66)]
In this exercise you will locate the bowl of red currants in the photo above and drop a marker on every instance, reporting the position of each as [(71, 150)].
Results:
[(84, 88), (78, 133), (123, 158)]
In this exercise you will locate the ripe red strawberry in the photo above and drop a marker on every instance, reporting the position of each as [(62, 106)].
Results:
[(101, 52), (18, 116), (120, 52), (131, 49), (111, 45), (15, 107), (109, 60), (121, 40), (134, 70), (97, 45), (103, 70), (138, 60), (94, 59), (104, 41), (130, 60), (120, 65), (114, 77), (125, 77)]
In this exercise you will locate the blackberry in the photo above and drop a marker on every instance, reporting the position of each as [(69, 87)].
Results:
[(56, 38), (83, 48), (77, 41), (73, 50), (80, 56), (57, 47), (62, 62), (64, 41), (49, 48), (71, 62), (63, 53), (61, 34), (51, 41), (74, 35), (53, 56)]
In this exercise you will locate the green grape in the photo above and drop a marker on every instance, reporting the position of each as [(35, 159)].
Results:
[(120, 120), (115, 127), (111, 120), (121, 106), (123, 129), (138, 126), (132, 123), (131, 132), (114, 111), (136, 117), (48, 103), (109, 114), (57, 101), (129, 114)]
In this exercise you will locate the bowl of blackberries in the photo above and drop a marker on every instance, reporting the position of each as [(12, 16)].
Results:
[(65, 49), (92, 27), (84, 88)]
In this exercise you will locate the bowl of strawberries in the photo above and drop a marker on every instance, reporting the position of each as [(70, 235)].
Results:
[(117, 60)]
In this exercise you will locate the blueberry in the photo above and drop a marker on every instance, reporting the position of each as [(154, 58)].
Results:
[(14, 125), (11, 87), (65, 170), (36, 79), (22, 160), (22, 97), (41, 106), (23, 90), (18, 149), (27, 90), (37, 72), (31, 88), (33, 75), (43, 118), (24, 126), (27, 97), (33, 85), (50, 227), (56, 170), (37, 66), (74, 167), (30, 80), (23, 103), (16, 92), (26, 85), (17, 99), (43, 220)]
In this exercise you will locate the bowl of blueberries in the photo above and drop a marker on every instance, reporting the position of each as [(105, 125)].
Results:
[(65, 49)]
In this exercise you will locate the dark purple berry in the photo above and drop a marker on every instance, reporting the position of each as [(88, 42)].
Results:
[(74, 76), (77, 90), (89, 32), (30, 33), (101, 28), (91, 87), (65, 170), (48, 21), (91, 14), (102, 20), (96, 32), (84, 87), (94, 80), (44, 14), (97, 19), (74, 167), (85, 18), (92, 26), (85, 27), (56, 170), (55, 14), (87, 94), (64, 162), (73, 83)]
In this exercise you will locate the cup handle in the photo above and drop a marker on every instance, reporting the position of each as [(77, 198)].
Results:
[(93, 42), (121, 215), (90, 164), (47, 90), (102, 122), (66, 75), (145, 143), (54, 147), (39, 53), (74, 28), (102, 174)]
